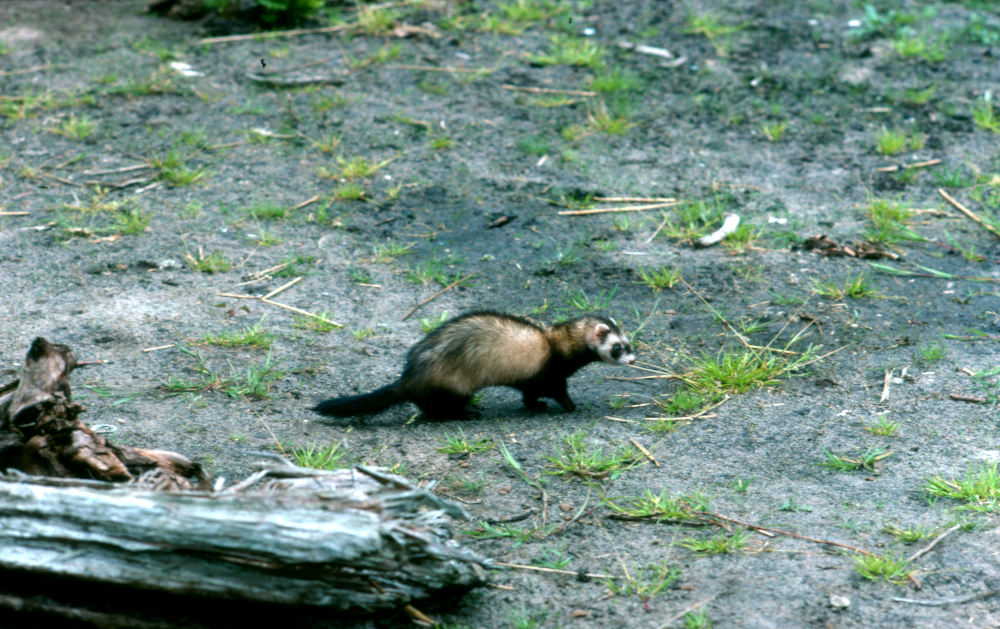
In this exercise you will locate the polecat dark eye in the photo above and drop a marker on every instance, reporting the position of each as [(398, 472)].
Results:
[(617, 347)]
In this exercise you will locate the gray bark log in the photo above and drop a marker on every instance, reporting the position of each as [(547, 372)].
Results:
[(351, 539)]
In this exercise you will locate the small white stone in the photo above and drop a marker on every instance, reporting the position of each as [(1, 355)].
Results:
[(838, 601)]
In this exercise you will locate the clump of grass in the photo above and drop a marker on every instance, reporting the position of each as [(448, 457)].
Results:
[(645, 582), (316, 457), (460, 444), (375, 20), (554, 558), (662, 507), (530, 10), (889, 222), (321, 325), (979, 488), (889, 566), (583, 302), (774, 131), (931, 353), (359, 167), (918, 96), (174, 169), (736, 371), (429, 324), (256, 381), (384, 254), (694, 219), (350, 192), (615, 80), (601, 119), (984, 115), (442, 143), (267, 210), (910, 535), (588, 461), (572, 51), (76, 127), (682, 403), (884, 427), (697, 620), (717, 544), (912, 45), (214, 262), (892, 141), (431, 270), (265, 237), (533, 145), (255, 336), (662, 278), (862, 460), (132, 221), (956, 177), (714, 29), (294, 266), (854, 286)]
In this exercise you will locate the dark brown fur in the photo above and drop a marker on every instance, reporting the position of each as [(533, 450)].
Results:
[(482, 349)]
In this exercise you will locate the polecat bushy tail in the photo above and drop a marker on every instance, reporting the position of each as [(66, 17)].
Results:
[(482, 349)]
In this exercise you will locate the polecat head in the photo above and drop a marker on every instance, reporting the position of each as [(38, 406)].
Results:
[(607, 340)]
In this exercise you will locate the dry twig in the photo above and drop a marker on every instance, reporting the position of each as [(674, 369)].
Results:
[(969, 213), (629, 208), (436, 295)]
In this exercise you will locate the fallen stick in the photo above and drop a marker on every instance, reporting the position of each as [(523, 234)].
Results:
[(635, 199), (285, 82), (969, 213), (519, 566), (548, 90), (644, 451), (937, 539), (274, 34), (631, 208), (304, 203), (31, 69), (895, 167), (690, 608), (949, 601), (282, 288), (885, 386), (158, 348), (967, 398), (401, 66), (436, 295), (662, 224), (301, 312), (13, 213)]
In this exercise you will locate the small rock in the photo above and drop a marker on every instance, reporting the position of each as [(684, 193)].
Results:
[(566, 507), (838, 601), (579, 613), (169, 263), (503, 491)]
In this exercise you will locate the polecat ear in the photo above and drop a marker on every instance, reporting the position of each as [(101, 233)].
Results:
[(601, 332)]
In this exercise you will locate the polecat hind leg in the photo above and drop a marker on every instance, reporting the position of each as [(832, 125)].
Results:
[(442, 404), (531, 401)]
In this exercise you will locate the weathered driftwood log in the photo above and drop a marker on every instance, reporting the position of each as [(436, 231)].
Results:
[(351, 539), (41, 433)]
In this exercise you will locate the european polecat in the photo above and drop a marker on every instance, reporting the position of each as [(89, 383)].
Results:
[(482, 349)]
